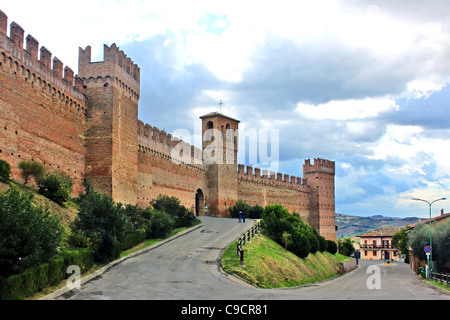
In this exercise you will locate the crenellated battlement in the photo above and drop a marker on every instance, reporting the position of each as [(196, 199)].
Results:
[(319, 165), (274, 179), (125, 74), (154, 141), (34, 62)]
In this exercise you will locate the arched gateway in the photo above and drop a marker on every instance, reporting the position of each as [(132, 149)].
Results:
[(199, 203)]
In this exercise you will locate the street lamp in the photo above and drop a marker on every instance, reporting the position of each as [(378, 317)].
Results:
[(431, 239)]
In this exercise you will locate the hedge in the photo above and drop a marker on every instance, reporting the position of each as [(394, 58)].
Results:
[(35, 279), (133, 239)]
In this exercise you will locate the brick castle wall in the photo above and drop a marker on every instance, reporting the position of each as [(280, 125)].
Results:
[(164, 170), (87, 126), (42, 113)]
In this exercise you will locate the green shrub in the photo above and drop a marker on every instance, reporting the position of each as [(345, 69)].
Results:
[(171, 205), (33, 280), (256, 212), (56, 186), (323, 243), (419, 237), (29, 235), (81, 257), (42, 276), (299, 244), (56, 271), (240, 205), (135, 217), (345, 247), (313, 241), (12, 288), (30, 282), (303, 239), (31, 169), (274, 221), (332, 247), (5, 171), (78, 239), (159, 224), (133, 239), (103, 222)]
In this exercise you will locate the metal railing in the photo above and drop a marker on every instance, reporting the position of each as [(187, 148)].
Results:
[(377, 246), (246, 237), (441, 277)]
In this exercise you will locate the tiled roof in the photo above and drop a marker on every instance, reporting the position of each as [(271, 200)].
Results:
[(382, 232), (442, 216), (217, 114)]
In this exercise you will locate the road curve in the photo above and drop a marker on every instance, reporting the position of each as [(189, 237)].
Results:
[(187, 268)]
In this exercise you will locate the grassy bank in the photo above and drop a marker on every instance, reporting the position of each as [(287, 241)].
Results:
[(438, 284), (268, 265)]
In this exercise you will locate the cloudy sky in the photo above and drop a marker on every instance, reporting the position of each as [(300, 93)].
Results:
[(362, 83)]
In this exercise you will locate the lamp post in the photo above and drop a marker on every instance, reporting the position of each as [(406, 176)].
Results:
[(431, 239)]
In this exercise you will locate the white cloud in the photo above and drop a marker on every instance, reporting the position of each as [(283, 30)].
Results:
[(423, 88), (347, 109)]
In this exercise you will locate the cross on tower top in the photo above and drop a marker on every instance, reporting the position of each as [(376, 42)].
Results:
[(221, 103)]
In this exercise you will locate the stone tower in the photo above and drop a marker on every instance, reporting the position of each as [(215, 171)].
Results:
[(112, 93), (220, 147), (320, 177)]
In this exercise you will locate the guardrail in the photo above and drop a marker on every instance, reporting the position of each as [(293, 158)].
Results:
[(440, 277), (246, 237)]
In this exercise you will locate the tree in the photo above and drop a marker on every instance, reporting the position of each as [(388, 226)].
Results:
[(419, 237), (323, 243), (286, 235), (299, 243), (102, 222), (400, 240), (277, 222), (332, 247), (313, 241), (29, 234), (31, 169), (346, 247), (171, 205), (256, 212), (56, 186), (158, 224), (5, 171), (240, 205), (441, 245), (274, 220)]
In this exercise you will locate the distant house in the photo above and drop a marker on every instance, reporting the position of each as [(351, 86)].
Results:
[(439, 219), (377, 244)]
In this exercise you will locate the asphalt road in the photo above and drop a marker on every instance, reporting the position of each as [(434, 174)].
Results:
[(187, 268)]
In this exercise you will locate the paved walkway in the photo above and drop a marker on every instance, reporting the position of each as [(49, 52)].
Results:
[(188, 268)]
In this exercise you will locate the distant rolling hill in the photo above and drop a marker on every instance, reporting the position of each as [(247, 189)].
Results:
[(351, 226)]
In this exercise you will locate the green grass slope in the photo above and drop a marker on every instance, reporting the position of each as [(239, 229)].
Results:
[(268, 265)]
